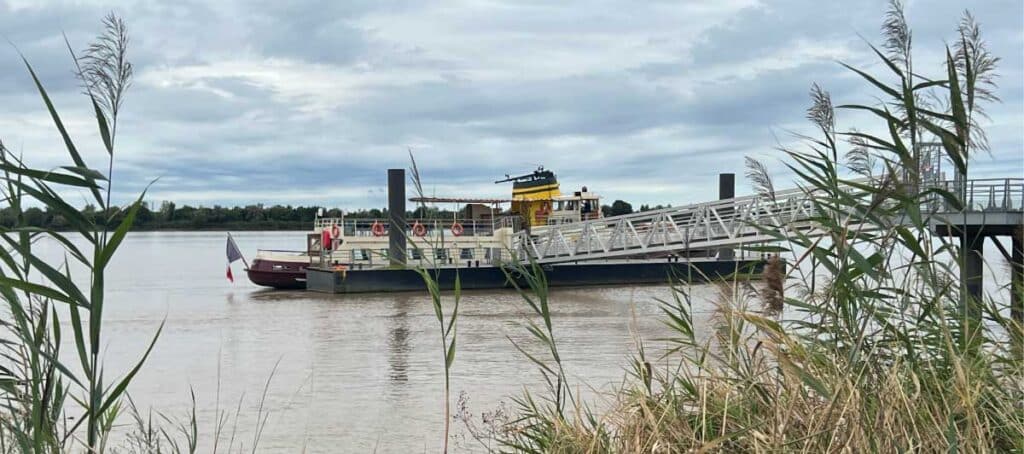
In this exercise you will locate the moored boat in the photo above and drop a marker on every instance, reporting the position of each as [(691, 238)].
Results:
[(481, 235)]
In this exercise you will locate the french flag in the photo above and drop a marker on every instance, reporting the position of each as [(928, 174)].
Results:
[(234, 254)]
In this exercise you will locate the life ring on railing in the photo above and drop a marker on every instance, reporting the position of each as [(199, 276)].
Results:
[(419, 229), (457, 228), (335, 231), (325, 240), (377, 229)]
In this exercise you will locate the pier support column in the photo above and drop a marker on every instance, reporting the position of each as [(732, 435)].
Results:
[(971, 285), (1017, 286), (726, 190), (396, 215), (972, 276)]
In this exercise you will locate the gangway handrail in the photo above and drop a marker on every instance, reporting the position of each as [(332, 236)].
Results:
[(720, 223)]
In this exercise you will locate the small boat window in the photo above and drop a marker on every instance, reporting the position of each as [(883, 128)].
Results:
[(441, 254), (466, 253), (416, 254)]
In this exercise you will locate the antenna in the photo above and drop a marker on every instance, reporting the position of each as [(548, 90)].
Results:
[(538, 174)]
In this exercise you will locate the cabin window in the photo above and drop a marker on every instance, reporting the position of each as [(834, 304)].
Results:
[(362, 254), (441, 254), (466, 254), (384, 254), (416, 254)]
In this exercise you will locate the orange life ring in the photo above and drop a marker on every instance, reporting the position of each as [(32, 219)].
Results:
[(377, 228), (419, 229), (457, 228), (335, 231), (325, 240)]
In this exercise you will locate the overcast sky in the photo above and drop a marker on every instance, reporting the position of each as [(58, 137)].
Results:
[(238, 102)]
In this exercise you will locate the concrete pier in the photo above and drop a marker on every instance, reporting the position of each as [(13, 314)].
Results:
[(993, 209), (972, 229)]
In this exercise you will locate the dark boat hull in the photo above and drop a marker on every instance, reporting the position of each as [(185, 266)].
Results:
[(583, 274), (277, 274)]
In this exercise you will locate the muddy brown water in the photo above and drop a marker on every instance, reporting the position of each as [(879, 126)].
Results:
[(347, 373)]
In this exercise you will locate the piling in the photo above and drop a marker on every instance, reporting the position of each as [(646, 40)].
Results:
[(396, 215), (726, 190), (973, 272), (1017, 285)]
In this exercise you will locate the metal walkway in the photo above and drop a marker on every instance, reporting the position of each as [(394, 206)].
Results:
[(728, 223)]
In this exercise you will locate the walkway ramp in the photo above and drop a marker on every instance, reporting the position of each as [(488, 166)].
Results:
[(728, 223)]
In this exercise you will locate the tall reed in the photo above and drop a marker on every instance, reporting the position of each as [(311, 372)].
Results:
[(38, 390), (447, 325)]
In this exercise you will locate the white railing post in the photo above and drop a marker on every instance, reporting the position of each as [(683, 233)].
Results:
[(1021, 188), (1006, 194), (970, 195)]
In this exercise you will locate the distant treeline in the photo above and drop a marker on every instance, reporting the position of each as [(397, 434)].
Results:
[(169, 216)]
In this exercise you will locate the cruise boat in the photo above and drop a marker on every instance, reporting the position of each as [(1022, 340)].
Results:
[(481, 234)]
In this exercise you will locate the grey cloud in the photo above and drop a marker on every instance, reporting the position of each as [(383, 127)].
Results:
[(483, 101)]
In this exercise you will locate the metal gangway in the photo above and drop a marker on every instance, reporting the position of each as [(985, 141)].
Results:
[(721, 224)]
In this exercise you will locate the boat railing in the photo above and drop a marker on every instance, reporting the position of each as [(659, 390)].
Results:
[(281, 251), (469, 256), (431, 227)]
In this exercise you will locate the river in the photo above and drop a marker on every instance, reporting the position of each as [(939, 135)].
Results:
[(346, 373)]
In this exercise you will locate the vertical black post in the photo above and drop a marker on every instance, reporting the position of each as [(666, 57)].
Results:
[(1017, 286), (726, 186), (974, 267), (726, 190), (396, 215), (971, 285)]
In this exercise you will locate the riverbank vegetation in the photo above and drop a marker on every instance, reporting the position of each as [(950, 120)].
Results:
[(171, 216), (875, 347)]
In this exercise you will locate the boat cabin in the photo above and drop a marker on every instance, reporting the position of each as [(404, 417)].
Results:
[(580, 206)]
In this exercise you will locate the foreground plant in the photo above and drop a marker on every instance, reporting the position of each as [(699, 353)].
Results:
[(877, 347), (39, 393), (447, 325)]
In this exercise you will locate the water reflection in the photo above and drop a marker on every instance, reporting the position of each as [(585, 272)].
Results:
[(398, 339)]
